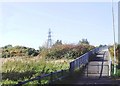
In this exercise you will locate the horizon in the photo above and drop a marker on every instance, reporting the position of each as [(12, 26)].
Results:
[(27, 24)]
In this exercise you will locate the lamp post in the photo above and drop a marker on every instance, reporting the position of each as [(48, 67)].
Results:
[(114, 39)]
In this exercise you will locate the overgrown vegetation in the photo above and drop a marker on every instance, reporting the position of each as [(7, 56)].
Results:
[(111, 49), (21, 68), (18, 69), (67, 51)]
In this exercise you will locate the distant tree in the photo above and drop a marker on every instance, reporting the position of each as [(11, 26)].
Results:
[(100, 45), (7, 46), (44, 45), (9, 51), (18, 47), (83, 41), (42, 48), (58, 42)]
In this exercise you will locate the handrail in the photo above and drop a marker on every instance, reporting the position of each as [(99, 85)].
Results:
[(84, 59)]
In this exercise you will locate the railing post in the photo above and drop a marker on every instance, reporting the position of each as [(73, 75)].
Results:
[(51, 77), (62, 72), (71, 67), (87, 70), (19, 84), (108, 70), (78, 64), (39, 81)]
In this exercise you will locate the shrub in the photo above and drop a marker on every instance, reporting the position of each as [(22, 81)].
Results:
[(9, 51), (67, 51)]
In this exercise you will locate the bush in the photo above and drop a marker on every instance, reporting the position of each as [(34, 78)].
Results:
[(66, 51), (9, 51)]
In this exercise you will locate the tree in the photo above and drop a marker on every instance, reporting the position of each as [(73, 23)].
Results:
[(83, 41), (58, 42), (9, 51), (8, 46)]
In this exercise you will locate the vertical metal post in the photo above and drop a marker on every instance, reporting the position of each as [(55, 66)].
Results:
[(71, 67), (108, 70), (19, 84), (110, 62), (51, 77), (39, 82), (87, 70), (114, 39), (62, 73)]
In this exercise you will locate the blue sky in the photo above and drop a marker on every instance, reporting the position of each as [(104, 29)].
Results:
[(28, 23)]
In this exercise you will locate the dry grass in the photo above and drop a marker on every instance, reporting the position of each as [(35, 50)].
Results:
[(36, 59)]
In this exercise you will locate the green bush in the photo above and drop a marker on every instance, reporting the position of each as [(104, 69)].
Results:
[(118, 72), (9, 51), (66, 51)]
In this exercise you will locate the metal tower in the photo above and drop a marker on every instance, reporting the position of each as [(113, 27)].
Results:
[(49, 41)]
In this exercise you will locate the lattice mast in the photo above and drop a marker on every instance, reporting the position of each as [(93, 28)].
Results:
[(49, 41)]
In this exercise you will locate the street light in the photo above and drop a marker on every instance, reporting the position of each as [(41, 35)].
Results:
[(114, 39)]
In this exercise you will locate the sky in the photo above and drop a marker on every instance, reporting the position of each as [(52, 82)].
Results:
[(27, 23), (119, 23)]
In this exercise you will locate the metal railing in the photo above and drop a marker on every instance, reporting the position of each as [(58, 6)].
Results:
[(48, 78), (84, 59)]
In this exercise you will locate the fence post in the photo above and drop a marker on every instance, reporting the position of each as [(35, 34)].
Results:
[(79, 63), (39, 81), (19, 84), (87, 70), (62, 72), (51, 77), (71, 69)]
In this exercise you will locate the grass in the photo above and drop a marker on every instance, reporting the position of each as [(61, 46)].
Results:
[(21, 69)]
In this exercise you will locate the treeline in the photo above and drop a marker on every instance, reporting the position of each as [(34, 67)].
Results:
[(57, 51), (10, 51)]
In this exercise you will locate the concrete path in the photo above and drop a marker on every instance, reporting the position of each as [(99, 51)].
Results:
[(99, 66)]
